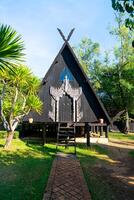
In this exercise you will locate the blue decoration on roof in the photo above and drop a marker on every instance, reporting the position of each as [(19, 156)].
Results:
[(66, 72)]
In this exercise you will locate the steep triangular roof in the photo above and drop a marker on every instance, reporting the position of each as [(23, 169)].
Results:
[(66, 46), (92, 106), (87, 80)]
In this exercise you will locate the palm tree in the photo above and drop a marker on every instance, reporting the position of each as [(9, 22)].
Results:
[(11, 47)]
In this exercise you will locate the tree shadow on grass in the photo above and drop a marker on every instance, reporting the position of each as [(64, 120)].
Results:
[(24, 172), (102, 170), (108, 176), (48, 149), (103, 182)]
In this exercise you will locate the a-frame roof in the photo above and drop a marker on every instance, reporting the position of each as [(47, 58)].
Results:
[(66, 46)]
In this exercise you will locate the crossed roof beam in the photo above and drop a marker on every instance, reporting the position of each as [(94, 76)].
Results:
[(63, 36)]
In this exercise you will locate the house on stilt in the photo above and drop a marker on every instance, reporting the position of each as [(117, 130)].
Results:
[(68, 98)]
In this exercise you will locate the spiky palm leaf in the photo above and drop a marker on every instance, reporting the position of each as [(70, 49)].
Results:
[(34, 103), (20, 75), (11, 47), (33, 85)]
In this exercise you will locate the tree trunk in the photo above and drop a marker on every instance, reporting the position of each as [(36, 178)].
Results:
[(127, 123), (9, 139)]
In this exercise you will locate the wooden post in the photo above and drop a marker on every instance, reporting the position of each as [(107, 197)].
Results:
[(106, 132), (93, 129), (97, 129), (44, 134), (101, 131), (87, 129)]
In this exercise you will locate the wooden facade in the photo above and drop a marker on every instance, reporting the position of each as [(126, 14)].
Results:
[(67, 94)]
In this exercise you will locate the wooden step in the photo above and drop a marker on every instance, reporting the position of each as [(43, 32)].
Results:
[(68, 140), (66, 135), (65, 144), (66, 131), (66, 128)]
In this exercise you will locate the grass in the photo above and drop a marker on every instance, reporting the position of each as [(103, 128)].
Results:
[(121, 136), (3, 134), (90, 158), (93, 160), (99, 180), (24, 170)]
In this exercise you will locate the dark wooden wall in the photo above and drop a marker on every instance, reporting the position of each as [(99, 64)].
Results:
[(90, 106)]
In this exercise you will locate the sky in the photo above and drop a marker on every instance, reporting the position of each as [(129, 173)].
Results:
[(37, 22)]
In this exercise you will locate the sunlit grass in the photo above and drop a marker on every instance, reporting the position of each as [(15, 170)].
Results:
[(25, 167), (121, 136), (24, 170)]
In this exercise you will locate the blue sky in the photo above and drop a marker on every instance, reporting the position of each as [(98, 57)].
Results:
[(37, 22)]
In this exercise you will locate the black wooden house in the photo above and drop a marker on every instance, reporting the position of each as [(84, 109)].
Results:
[(67, 96)]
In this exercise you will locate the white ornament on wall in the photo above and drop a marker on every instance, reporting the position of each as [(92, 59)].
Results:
[(57, 93)]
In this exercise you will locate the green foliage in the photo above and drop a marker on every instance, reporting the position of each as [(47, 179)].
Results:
[(88, 54), (21, 93), (127, 7), (19, 76), (34, 103), (113, 78), (11, 47), (117, 78)]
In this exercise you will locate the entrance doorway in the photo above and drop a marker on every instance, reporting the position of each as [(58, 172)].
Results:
[(65, 109)]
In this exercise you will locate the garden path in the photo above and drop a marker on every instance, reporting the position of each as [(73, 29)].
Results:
[(66, 180)]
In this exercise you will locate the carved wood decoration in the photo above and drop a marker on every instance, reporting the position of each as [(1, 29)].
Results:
[(74, 93), (52, 113)]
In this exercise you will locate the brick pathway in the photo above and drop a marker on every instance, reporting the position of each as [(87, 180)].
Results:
[(66, 181)]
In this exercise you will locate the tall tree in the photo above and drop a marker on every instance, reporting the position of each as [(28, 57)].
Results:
[(11, 47), (117, 79), (88, 52), (126, 7), (19, 95), (113, 80)]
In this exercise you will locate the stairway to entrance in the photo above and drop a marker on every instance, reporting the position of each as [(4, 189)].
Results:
[(66, 135)]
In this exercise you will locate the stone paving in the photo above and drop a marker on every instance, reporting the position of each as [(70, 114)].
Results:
[(66, 181)]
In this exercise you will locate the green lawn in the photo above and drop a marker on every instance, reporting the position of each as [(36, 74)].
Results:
[(24, 170), (93, 160), (89, 159), (121, 136)]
